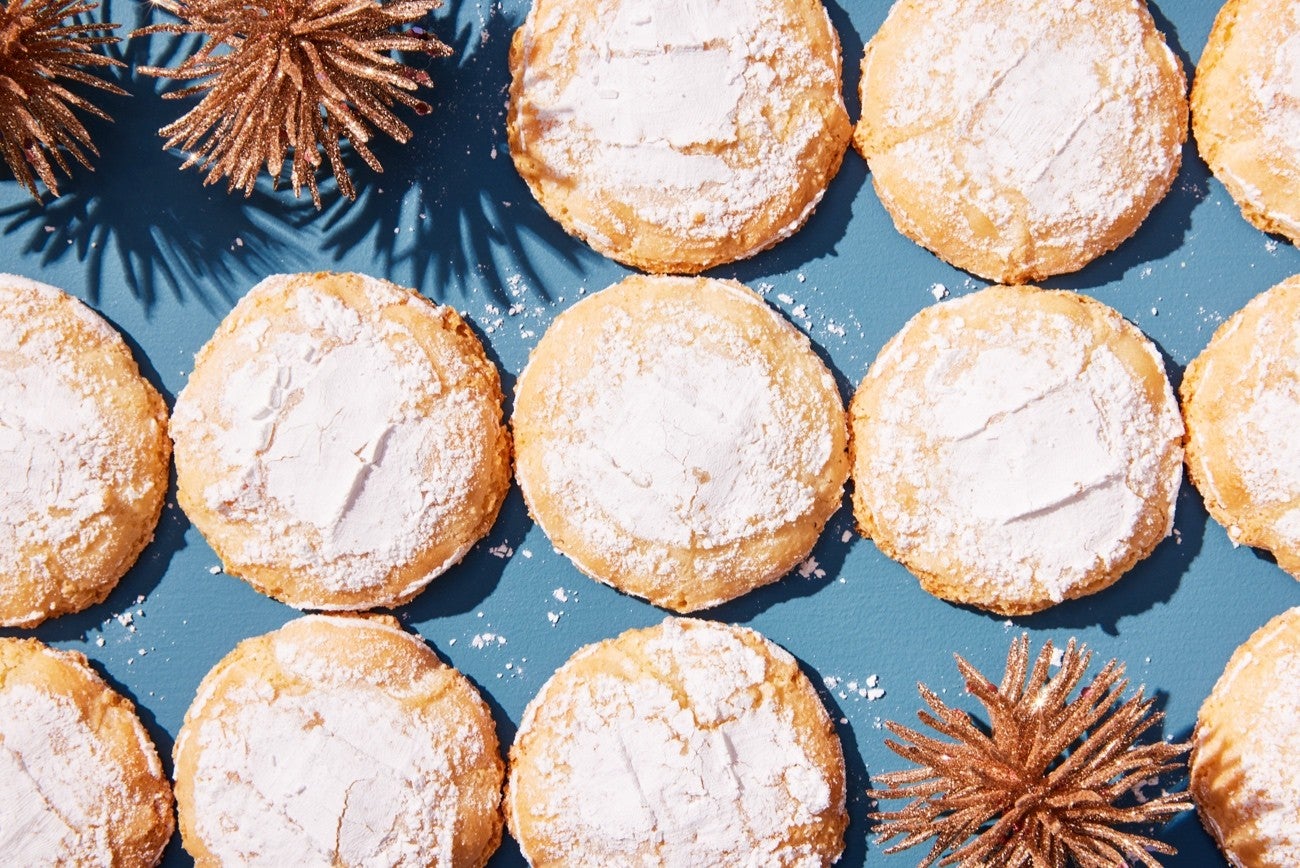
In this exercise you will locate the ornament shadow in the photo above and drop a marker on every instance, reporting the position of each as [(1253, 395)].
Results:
[(449, 214), (137, 216)]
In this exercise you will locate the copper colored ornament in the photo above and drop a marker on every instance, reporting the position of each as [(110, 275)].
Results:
[(1044, 784), (292, 79), (44, 48)]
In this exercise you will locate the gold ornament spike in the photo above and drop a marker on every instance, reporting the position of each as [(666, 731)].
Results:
[(290, 80), (44, 46), (1043, 785)]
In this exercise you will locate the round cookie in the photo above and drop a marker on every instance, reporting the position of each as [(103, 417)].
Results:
[(1015, 448), (1241, 401), (675, 136), (343, 740), (689, 743), (1019, 139), (83, 455), (679, 440), (1246, 110), (340, 441), (1246, 748), (80, 781)]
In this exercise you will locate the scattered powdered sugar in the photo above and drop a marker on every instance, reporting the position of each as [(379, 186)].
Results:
[(1024, 452), (690, 758), (61, 786), (965, 109), (327, 457), (664, 107)]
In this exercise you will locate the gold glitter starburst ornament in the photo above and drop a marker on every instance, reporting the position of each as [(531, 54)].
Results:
[(45, 46), (288, 79), (1047, 784)]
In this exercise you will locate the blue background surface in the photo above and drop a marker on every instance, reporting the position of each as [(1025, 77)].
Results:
[(165, 258)]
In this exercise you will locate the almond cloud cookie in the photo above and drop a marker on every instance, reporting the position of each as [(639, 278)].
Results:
[(338, 740), (1019, 139), (80, 780), (690, 743), (679, 440), (340, 441), (84, 455), (1241, 400), (1246, 110), (675, 135), (1246, 748), (1015, 448)]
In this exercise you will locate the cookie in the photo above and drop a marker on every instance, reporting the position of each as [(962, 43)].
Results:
[(690, 743), (1018, 139), (80, 781), (676, 136), (1246, 110), (1246, 748), (1241, 401), (338, 740), (679, 440), (84, 455), (340, 441), (1015, 448)]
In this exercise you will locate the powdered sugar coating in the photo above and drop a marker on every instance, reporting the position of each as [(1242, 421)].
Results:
[(338, 741), (1016, 449), (1246, 746), (1246, 109), (690, 743), (679, 440), (1023, 138), (388, 394), (83, 452), (80, 781), (1241, 397), (715, 124)]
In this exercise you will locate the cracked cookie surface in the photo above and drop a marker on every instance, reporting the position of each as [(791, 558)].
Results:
[(688, 743), (1016, 447)]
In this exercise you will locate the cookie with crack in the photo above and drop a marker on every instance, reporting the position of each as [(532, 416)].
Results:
[(679, 440), (1246, 747), (689, 743), (1016, 447), (1019, 139), (1241, 401), (338, 740), (84, 455), (80, 780), (1246, 110), (340, 441), (675, 136)]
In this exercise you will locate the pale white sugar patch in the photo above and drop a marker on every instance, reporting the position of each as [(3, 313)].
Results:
[(709, 776), (64, 458), (321, 431), (1269, 755), (680, 437), (340, 775), (656, 89), (1029, 457), (1262, 440), (60, 785), (1031, 109)]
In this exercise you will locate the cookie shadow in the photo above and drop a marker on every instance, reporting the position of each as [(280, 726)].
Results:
[(856, 779), (450, 215), (820, 568), (136, 215)]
